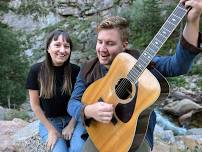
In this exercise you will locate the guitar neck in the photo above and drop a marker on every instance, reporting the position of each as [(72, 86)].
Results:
[(157, 42)]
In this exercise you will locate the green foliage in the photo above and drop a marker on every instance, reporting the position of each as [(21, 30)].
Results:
[(11, 114), (4, 6), (13, 69), (199, 84), (177, 81), (196, 69), (145, 19)]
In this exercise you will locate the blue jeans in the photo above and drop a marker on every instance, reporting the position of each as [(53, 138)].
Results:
[(74, 145)]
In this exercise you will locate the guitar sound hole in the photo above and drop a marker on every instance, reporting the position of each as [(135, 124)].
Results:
[(123, 89)]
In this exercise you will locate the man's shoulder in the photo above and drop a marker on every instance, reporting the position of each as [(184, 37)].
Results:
[(134, 52), (90, 62), (90, 69)]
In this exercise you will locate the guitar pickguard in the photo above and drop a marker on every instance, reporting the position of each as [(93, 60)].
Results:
[(125, 111)]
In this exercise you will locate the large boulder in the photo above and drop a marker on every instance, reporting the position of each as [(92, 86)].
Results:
[(9, 128), (27, 139)]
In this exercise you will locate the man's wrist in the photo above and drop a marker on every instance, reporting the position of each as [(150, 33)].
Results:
[(85, 120), (191, 47), (85, 111)]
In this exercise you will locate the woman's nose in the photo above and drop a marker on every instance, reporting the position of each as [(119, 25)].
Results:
[(62, 49)]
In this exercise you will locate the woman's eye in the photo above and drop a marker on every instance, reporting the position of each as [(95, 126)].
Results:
[(57, 45)]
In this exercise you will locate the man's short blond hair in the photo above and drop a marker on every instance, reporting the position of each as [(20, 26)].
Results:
[(115, 22)]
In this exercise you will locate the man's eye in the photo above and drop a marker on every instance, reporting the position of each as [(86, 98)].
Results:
[(99, 42), (67, 46), (110, 43)]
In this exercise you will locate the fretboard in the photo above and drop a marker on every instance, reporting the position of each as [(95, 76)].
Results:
[(157, 42)]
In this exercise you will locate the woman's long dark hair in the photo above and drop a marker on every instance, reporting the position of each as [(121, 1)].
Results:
[(47, 75)]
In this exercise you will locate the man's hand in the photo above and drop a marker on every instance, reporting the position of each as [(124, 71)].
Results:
[(100, 111), (191, 29), (196, 9)]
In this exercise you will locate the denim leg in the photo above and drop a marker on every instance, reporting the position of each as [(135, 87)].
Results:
[(76, 142), (89, 146), (60, 145)]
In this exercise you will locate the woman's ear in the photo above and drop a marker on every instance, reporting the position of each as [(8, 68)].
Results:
[(48, 49)]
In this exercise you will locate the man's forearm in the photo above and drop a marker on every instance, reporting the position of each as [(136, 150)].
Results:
[(191, 32)]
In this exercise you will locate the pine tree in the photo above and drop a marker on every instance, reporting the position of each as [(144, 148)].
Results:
[(13, 69), (145, 21)]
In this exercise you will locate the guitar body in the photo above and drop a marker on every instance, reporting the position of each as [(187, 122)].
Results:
[(137, 96)]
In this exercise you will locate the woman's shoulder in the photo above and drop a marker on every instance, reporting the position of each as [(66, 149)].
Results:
[(36, 67), (75, 69)]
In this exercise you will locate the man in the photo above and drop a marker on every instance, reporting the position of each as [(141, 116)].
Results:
[(112, 39)]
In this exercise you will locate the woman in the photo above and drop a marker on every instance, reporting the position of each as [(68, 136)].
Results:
[(50, 85)]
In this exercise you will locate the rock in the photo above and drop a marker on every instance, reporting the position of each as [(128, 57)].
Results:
[(167, 136), (179, 108), (195, 131), (193, 142), (196, 121), (9, 128), (160, 146), (185, 119), (27, 139)]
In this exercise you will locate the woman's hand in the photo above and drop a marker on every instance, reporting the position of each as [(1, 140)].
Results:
[(69, 129), (53, 135)]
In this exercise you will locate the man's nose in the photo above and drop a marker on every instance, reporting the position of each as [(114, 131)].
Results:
[(103, 47)]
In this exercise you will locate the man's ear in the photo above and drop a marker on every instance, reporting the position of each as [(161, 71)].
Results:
[(125, 44)]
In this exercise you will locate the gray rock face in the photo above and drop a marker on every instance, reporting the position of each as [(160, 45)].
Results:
[(28, 23)]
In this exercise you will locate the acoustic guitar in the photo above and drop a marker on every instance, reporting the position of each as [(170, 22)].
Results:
[(131, 88)]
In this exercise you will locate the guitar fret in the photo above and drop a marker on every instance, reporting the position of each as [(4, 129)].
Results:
[(180, 11), (170, 27), (148, 52), (160, 37), (156, 42), (133, 74), (174, 19), (164, 32), (138, 67), (180, 5), (147, 56), (142, 61), (171, 23), (153, 48)]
